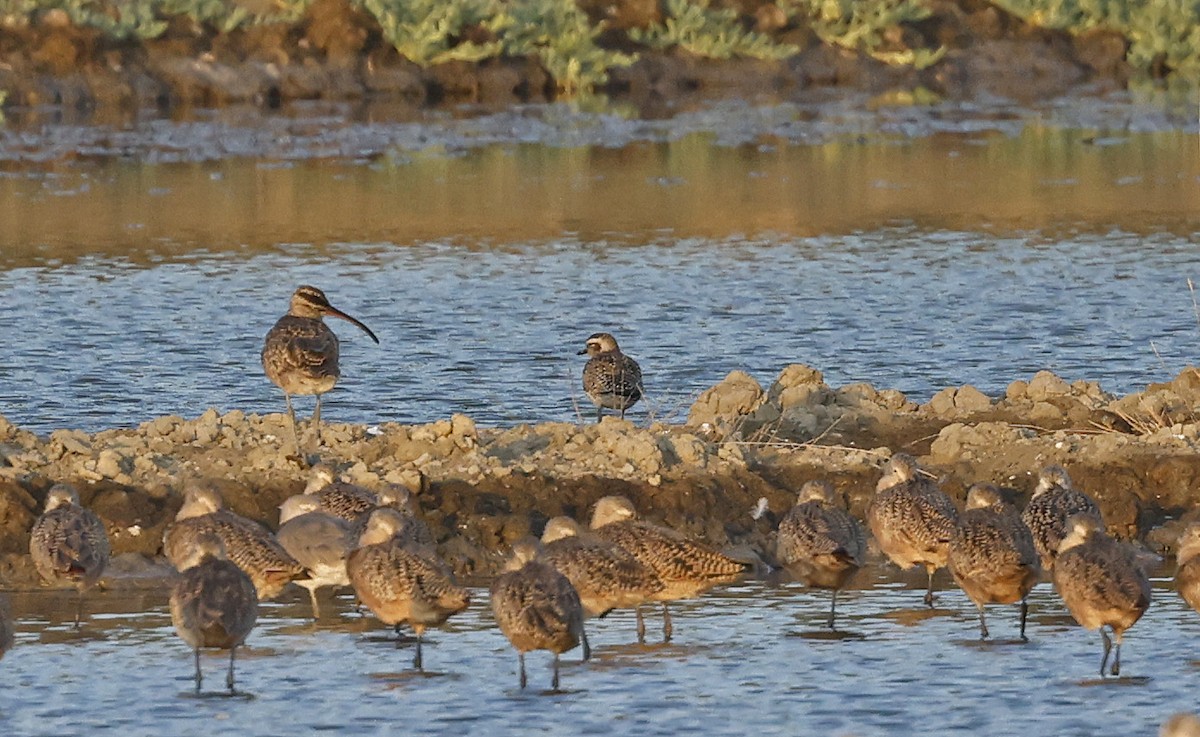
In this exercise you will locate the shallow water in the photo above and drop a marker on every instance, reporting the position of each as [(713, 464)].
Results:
[(747, 659)]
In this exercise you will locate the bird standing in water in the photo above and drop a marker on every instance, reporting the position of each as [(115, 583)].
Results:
[(610, 378), (300, 354), (68, 543)]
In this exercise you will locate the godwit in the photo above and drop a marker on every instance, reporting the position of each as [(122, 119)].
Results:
[(213, 602), (6, 626), (247, 544), (1100, 581), (605, 575), (536, 607), (68, 543), (318, 541), (992, 555), (685, 568), (399, 585), (1187, 575), (610, 378), (300, 354), (911, 518), (346, 501), (819, 543), (1054, 500)]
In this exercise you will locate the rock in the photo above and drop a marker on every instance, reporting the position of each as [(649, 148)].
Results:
[(1045, 385), (961, 402), (722, 405)]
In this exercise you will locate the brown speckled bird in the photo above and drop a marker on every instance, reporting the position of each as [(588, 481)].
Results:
[(247, 544), (685, 568), (343, 500), (536, 607), (398, 584), (1187, 575), (1101, 582), (300, 353), (605, 575), (1054, 500), (610, 378), (213, 602), (819, 543), (992, 556), (68, 543), (911, 518)]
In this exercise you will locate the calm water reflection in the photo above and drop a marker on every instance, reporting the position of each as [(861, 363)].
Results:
[(741, 664)]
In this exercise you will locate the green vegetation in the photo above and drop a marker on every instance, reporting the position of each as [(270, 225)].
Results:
[(714, 33), (560, 35), (860, 26)]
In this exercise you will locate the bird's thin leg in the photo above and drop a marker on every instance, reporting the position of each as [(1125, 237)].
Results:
[(199, 677), (229, 675), (599, 413), (521, 658), (554, 683), (983, 630), (666, 623), (641, 625), (316, 421), (1024, 616), (832, 609), (1107, 649), (1116, 666), (929, 591), (417, 659), (79, 608), (587, 648), (312, 595), (292, 416)]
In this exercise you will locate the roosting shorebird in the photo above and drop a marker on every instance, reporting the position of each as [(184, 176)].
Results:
[(1101, 582), (992, 555), (610, 378), (213, 602), (68, 543), (536, 607), (819, 542), (318, 540), (300, 354), (911, 518), (605, 575), (1187, 575), (1054, 500)]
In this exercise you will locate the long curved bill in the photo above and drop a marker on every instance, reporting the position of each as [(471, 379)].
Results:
[(335, 312)]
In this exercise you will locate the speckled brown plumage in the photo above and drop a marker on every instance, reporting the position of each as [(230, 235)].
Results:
[(68, 543), (399, 585), (247, 544), (819, 543), (992, 556), (300, 353), (611, 379), (1054, 500), (213, 603), (605, 575), (911, 518), (1187, 574), (685, 568), (1100, 581), (536, 607)]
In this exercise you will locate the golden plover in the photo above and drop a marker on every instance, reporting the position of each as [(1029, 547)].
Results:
[(247, 544), (213, 602), (685, 568), (399, 585), (318, 541), (536, 607), (610, 378), (68, 543), (300, 353), (605, 575), (911, 518), (819, 542), (1054, 500), (992, 556), (1101, 582)]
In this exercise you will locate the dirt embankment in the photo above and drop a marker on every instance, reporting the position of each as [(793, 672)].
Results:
[(336, 52), (480, 489)]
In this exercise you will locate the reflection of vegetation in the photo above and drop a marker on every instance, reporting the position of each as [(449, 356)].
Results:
[(710, 32)]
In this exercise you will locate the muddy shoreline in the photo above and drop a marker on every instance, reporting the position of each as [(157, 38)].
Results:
[(482, 488)]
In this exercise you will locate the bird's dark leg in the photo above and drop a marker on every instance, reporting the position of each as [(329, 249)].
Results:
[(587, 648), (554, 683), (1024, 616), (983, 630), (1107, 649), (79, 608), (599, 413), (521, 657), (666, 623), (316, 421), (1116, 666), (199, 677), (229, 675), (832, 609), (417, 659), (641, 625), (929, 591), (292, 416)]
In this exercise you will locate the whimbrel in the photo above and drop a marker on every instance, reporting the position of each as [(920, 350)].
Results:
[(992, 556), (318, 541), (610, 378), (911, 518), (6, 626), (247, 544), (300, 353), (1054, 500), (685, 568), (605, 575), (1187, 575), (213, 602), (819, 542), (1101, 582), (399, 585), (68, 543), (536, 607)]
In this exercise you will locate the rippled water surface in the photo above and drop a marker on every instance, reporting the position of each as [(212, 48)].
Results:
[(750, 659)]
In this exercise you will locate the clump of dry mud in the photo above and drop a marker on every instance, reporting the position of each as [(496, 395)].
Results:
[(482, 488)]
